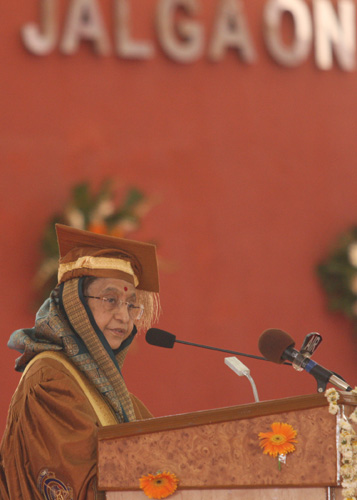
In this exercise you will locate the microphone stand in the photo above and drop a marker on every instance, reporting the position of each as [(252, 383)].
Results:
[(225, 350)]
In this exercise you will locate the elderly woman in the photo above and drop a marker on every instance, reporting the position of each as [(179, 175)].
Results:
[(71, 363)]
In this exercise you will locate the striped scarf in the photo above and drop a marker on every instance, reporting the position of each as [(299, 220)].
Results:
[(65, 323)]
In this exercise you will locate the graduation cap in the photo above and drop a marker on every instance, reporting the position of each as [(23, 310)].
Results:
[(83, 253)]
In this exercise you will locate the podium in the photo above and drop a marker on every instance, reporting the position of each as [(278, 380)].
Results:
[(216, 454)]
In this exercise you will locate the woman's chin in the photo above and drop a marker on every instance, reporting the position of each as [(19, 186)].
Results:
[(115, 339)]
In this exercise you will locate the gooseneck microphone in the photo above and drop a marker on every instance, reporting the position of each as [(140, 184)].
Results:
[(161, 338), (277, 346)]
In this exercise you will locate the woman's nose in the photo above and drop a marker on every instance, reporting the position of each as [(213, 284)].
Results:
[(121, 311)]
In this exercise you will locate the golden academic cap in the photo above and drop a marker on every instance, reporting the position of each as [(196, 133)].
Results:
[(83, 253)]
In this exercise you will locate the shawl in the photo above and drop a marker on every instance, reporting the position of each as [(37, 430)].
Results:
[(65, 323)]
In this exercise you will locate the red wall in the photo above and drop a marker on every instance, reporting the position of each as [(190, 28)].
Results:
[(255, 167)]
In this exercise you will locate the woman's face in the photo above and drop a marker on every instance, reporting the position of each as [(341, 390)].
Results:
[(116, 325)]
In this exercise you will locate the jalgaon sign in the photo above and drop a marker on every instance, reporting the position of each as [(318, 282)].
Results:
[(323, 28)]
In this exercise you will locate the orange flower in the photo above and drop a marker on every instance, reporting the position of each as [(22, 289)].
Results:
[(278, 442), (159, 485), (98, 227)]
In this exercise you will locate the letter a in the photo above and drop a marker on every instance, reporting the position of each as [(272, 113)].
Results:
[(84, 21), (231, 30)]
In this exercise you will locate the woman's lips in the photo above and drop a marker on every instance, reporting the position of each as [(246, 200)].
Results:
[(117, 331)]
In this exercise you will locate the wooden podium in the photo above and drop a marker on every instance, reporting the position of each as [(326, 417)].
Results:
[(216, 455)]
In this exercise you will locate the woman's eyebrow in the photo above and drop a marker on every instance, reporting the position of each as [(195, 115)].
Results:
[(116, 290), (110, 289)]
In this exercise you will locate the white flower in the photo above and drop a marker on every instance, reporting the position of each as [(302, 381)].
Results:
[(347, 471), (332, 397), (352, 254), (345, 425), (347, 455), (333, 408), (127, 225), (75, 218), (348, 492), (104, 209), (332, 391)]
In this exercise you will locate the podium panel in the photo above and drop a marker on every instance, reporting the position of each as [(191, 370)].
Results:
[(216, 453), (241, 494)]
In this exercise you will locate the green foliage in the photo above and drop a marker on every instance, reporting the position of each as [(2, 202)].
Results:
[(130, 202), (98, 211), (338, 275), (49, 241)]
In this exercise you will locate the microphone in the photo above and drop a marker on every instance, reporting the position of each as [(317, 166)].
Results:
[(310, 344), (277, 346), (161, 338), (155, 336)]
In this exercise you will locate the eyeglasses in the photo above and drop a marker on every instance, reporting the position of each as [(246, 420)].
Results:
[(111, 302)]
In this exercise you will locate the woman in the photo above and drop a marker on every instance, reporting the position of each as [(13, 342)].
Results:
[(71, 363)]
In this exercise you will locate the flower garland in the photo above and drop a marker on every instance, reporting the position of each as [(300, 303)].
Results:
[(347, 446), (105, 212), (279, 442), (338, 275)]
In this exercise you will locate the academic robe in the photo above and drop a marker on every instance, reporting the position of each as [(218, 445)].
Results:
[(50, 440)]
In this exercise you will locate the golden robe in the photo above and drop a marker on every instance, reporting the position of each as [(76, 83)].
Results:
[(50, 441)]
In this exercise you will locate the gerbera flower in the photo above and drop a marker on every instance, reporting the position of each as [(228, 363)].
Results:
[(159, 485), (279, 441)]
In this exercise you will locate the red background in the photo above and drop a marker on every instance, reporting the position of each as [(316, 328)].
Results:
[(255, 168)]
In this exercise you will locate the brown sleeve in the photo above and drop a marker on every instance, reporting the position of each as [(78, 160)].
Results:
[(51, 435)]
